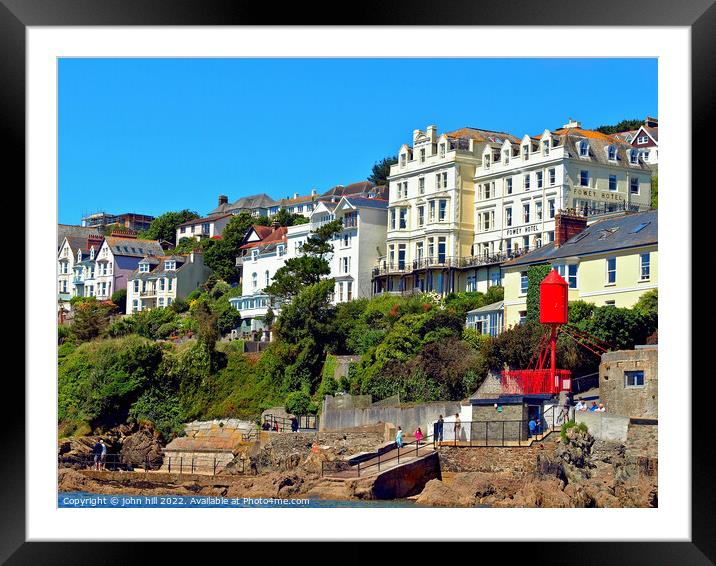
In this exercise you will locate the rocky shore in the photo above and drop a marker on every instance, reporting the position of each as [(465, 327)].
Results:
[(578, 472)]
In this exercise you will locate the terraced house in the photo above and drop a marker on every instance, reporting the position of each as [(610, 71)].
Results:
[(431, 211), (160, 280), (520, 186), (117, 259), (76, 266), (611, 262)]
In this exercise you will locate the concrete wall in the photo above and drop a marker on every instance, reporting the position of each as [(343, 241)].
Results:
[(408, 479), (508, 424), (409, 419), (618, 399), (603, 426)]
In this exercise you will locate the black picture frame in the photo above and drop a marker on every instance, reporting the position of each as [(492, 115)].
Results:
[(699, 15)]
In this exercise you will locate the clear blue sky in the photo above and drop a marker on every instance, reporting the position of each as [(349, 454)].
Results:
[(153, 135)]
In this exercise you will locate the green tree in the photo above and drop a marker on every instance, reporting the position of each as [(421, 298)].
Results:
[(286, 218), (535, 275), (298, 403), (220, 255), (91, 319), (119, 298), (381, 170), (623, 126), (164, 227), (186, 245), (307, 269)]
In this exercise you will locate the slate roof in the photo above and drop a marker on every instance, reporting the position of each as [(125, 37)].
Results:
[(134, 247), (598, 144), (261, 200), (157, 263), (363, 202), (488, 308), (361, 188), (610, 234), (64, 230)]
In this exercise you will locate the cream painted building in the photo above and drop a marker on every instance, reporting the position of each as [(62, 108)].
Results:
[(613, 261), (520, 187), (202, 228), (431, 215), (158, 281)]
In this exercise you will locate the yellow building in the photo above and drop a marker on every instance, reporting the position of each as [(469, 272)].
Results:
[(611, 262)]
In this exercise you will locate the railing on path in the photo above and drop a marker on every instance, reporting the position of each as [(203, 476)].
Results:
[(203, 465), (409, 451), (282, 424)]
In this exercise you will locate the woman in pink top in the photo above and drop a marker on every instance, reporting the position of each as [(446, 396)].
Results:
[(418, 435)]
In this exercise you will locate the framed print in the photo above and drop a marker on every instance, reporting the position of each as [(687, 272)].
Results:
[(400, 268)]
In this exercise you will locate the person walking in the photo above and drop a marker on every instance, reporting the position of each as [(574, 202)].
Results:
[(399, 437), (533, 427), (294, 424), (418, 436), (439, 429), (458, 426)]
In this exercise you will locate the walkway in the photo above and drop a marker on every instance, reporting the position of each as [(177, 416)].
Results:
[(382, 462)]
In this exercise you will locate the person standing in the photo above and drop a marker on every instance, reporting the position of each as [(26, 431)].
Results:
[(439, 429), (399, 437), (418, 436), (458, 426), (97, 453), (294, 424), (533, 427), (103, 454)]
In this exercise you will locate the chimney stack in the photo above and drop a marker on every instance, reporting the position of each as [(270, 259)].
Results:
[(567, 224), (314, 192), (94, 240), (295, 195), (275, 225), (223, 199)]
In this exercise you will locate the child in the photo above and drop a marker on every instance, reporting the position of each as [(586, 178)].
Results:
[(418, 436), (399, 437)]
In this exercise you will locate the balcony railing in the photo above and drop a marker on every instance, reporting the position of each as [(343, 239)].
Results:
[(386, 267)]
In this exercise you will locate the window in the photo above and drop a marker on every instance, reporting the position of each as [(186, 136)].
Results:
[(441, 250), (419, 251), (254, 280), (254, 255), (550, 235), (633, 157), (403, 218), (552, 209), (539, 179), (645, 266), (161, 301), (143, 268), (584, 178), (538, 210), (545, 147), (508, 185), (634, 378), (421, 216), (611, 271), (583, 149), (346, 264), (170, 283), (526, 213), (442, 150), (402, 160), (486, 161), (438, 181), (523, 282), (612, 182), (421, 185), (508, 216), (392, 219), (135, 305), (569, 272), (552, 176), (267, 278), (526, 181), (161, 284), (506, 156), (170, 264), (431, 211), (612, 153), (346, 240), (422, 155), (281, 249), (523, 317), (525, 152), (641, 140), (495, 279), (349, 291), (634, 185)]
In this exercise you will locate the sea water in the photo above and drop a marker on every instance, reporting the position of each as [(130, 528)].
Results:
[(86, 500)]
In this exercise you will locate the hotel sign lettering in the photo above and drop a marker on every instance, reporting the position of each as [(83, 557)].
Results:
[(522, 230), (598, 195)]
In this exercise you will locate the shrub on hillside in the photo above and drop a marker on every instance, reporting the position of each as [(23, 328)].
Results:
[(298, 403)]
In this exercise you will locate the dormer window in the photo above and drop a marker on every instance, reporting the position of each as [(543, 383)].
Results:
[(506, 158), (92, 253), (422, 155), (583, 149), (442, 149), (641, 140), (170, 265), (254, 254), (545, 147), (79, 255), (487, 161), (612, 153), (402, 160), (281, 249), (633, 156), (144, 267), (525, 152)]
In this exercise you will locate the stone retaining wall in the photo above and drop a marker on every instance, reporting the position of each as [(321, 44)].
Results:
[(520, 461)]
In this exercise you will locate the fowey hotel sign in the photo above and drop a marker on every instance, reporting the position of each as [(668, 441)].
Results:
[(593, 194)]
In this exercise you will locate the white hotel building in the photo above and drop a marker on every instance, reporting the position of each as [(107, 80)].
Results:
[(431, 216), (356, 249), (521, 185)]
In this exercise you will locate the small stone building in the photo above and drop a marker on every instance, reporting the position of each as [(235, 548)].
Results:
[(628, 382)]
